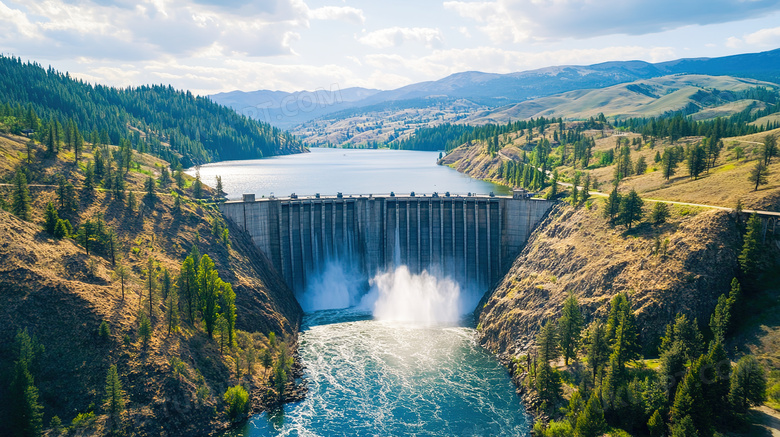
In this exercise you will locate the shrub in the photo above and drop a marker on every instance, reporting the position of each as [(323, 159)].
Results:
[(104, 331), (774, 392), (237, 400), (83, 420)]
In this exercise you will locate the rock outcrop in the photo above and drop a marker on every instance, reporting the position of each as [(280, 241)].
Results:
[(575, 250)]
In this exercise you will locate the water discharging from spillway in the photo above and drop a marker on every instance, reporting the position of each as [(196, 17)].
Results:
[(394, 355)]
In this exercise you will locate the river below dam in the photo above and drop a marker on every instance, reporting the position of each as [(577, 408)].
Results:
[(395, 353)]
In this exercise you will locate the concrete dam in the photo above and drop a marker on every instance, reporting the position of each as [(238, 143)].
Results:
[(472, 239)]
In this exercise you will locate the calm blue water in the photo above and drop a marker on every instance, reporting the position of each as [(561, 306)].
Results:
[(349, 171), (377, 370)]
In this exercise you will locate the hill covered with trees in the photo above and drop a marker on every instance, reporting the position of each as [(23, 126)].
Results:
[(130, 306), (175, 125)]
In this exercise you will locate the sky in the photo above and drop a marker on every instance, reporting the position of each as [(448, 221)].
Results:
[(210, 46)]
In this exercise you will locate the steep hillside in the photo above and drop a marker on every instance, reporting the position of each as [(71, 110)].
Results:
[(575, 250), (173, 124), (58, 293)]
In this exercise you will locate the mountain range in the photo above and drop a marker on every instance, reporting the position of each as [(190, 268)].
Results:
[(489, 90)]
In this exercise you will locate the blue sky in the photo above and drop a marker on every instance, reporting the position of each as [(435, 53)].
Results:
[(210, 46)]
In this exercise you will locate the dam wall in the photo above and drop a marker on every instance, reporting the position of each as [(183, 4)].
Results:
[(472, 239)]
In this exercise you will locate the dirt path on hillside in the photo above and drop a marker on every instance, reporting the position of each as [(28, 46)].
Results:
[(701, 205)]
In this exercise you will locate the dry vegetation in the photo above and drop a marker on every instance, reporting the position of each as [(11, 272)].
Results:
[(575, 250), (60, 294)]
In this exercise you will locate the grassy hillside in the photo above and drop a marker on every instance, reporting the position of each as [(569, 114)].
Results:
[(60, 295), (173, 124), (705, 96)]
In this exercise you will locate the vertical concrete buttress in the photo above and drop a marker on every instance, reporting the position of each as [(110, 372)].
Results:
[(472, 239)]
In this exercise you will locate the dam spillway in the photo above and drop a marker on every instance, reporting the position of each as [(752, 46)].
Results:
[(472, 239)]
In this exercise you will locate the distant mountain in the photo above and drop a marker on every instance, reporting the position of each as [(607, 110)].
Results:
[(286, 110)]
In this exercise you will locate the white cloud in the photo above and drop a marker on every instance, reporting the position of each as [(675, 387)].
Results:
[(130, 31), (496, 24), (397, 36), (518, 20), (342, 13), (733, 42), (764, 37)]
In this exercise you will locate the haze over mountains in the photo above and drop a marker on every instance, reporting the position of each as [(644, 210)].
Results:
[(483, 90)]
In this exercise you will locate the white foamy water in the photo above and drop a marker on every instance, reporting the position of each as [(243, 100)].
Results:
[(381, 378), (401, 296)]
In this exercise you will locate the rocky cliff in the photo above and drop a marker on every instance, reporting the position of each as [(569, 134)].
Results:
[(575, 250)]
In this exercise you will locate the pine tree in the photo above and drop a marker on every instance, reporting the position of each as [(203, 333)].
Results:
[(131, 201), (188, 283), (177, 205), (598, 348), (145, 329), (21, 197), (751, 248), (748, 384), (575, 189), (104, 331), (26, 411), (696, 161), (197, 186), (660, 213), (612, 205), (640, 166), (570, 328), (685, 332), (88, 187), (717, 377), (668, 163), (719, 320), (759, 175), (585, 194), (630, 209), (591, 422), (547, 342), (691, 399), (122, 272), (62, 229), (685, 428), (228, 307), (172, 310), (548, 382), (78, 145), (50, 218), (150, 284), (149, 186), (656, 425), (770, 149), (673, 366), (30, 151), (220, 192), (220, 325), (209, 288), (114, 400)]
